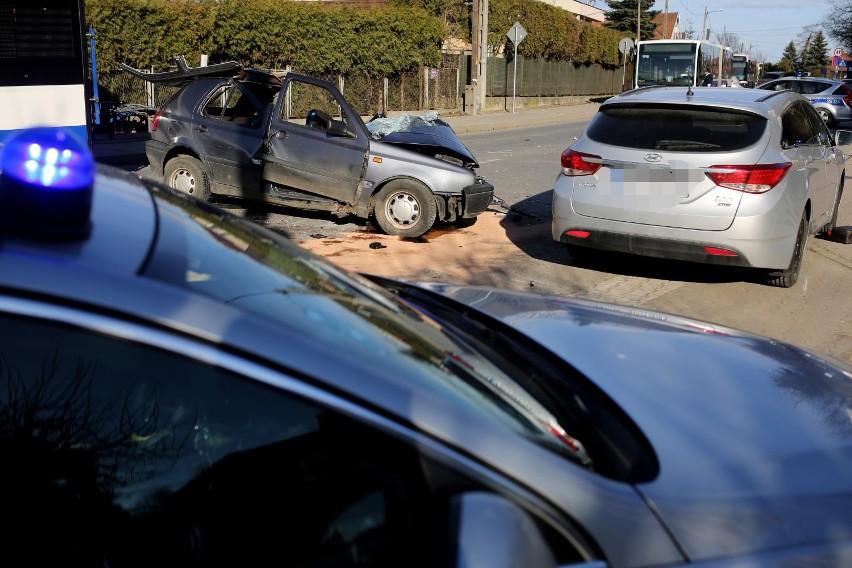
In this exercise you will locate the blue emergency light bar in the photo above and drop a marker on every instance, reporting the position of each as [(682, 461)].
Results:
[(46, 181)]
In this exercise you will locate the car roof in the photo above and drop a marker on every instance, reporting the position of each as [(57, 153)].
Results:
[(750, 100)]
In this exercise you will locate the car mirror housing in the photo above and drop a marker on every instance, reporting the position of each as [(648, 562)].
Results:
[(339, 128)]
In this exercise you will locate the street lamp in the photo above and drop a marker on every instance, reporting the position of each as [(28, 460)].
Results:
[(704, 25)]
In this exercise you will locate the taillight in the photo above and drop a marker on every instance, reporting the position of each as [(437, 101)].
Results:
[(576, 164), (750, 179), (156, 120), (847, 97)]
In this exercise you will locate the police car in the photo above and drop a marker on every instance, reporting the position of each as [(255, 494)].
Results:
[(180, 386), (831, 99)]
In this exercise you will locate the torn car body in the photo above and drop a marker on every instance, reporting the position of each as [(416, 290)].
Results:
[(296, 141)]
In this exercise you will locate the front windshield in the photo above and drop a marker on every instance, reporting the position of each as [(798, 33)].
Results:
[(224, 257)]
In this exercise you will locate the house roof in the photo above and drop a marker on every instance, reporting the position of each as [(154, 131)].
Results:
[(668, 24)]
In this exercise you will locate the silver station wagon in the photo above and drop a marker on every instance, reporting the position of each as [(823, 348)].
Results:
[(737, 177)]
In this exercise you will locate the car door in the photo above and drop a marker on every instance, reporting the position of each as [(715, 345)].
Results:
[(827, 164), (800, 139), (315, 141), (227, 128)]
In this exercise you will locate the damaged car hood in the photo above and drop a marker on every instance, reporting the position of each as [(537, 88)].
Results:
[(425, 134)]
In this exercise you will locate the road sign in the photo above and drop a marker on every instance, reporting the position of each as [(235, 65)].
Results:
[(517, 33), (625, 45), (838, 51), (836, 61), (842, 64)]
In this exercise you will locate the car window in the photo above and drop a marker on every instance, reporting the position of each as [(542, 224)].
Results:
[(781, 86), (121, 454), (823, 136), (674, 127), (812, 87), (228, 103), (311, 106), (796, 127)]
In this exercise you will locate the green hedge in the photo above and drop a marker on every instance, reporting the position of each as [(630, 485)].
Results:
[(319, 38)]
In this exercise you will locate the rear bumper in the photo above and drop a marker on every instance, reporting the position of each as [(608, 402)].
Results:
[(156, 154), (654, 246)]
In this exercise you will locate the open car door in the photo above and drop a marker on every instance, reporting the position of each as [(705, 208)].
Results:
[(315, 142)]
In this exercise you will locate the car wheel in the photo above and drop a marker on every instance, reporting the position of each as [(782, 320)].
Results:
[(186, 174), (826, 116), (787, 278), (405, 208)]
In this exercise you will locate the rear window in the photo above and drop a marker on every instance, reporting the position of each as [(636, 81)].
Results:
[(676, 128)]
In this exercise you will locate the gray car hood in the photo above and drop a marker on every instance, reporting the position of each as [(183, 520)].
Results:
[(425, 134), (753, 436)]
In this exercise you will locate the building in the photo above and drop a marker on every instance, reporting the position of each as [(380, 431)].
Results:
[(585, 11), (668, 26)]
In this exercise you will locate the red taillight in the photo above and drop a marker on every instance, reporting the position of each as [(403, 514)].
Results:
[(750, 179), (847, 98), (156, 120), (715, 251), (578, 234), (577, 164)]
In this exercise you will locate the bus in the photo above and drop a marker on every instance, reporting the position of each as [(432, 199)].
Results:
[(743, 69), (683, 62), (44, 62)]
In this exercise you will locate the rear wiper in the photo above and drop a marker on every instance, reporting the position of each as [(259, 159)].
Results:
[(682, 145)]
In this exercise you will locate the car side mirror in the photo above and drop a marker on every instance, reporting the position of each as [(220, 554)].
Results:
[(493, 532), (339, 128), (843, 137)]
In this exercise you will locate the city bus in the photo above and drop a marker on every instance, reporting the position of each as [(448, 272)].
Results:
[(742, 69), (44, 61), (683, 62)]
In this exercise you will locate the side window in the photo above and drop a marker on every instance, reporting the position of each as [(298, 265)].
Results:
[(796, 127), (119, 454), (823, 135), (228, 103), (311, 106), (812, 87)]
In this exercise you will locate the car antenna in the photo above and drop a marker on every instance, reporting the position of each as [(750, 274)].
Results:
[(689, 92)]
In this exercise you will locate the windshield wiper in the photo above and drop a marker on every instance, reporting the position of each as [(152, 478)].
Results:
[(682, 145)]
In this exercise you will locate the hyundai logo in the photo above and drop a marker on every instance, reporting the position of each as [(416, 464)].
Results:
[(653, 158)]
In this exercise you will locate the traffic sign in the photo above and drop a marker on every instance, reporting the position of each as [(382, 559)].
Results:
[(842, 64), (838, 51), (517, 33), (625, 45), (836, 61)]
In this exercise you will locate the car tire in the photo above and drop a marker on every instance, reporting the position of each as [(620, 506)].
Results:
[(787, 278), (826, 116), (405, 208), (186, 174)]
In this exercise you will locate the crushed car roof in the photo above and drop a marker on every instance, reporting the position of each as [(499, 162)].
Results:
[(185, 74)]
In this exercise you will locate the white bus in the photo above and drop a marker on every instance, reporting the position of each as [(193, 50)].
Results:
[(743, 69), (44, 65), (684, 62)]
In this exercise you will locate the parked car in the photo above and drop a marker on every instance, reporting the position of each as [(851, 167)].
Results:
[(704, 175), (297, 142), (181, 386), (831, 99), (772, 75)]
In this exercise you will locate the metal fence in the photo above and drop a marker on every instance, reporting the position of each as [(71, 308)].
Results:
[(435, 88)]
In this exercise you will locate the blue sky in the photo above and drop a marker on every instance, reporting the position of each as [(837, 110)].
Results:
[(766, 25)]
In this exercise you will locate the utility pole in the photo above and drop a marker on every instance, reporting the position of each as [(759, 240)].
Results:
[(478, 54), (638, 20)]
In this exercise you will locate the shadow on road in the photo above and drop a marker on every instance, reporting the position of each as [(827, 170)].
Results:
[(529, 229)]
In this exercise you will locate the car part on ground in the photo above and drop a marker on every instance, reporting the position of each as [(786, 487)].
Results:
[(296, 141), (708, 176)]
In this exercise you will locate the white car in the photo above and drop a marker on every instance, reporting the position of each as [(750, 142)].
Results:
[(737, 177)]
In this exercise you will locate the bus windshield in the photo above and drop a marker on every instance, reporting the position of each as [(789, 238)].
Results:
[(666, 64)]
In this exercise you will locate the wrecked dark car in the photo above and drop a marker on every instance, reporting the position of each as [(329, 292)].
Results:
[(295, 141)]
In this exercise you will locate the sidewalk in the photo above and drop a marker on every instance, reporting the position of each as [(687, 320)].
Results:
[(130, 148)]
